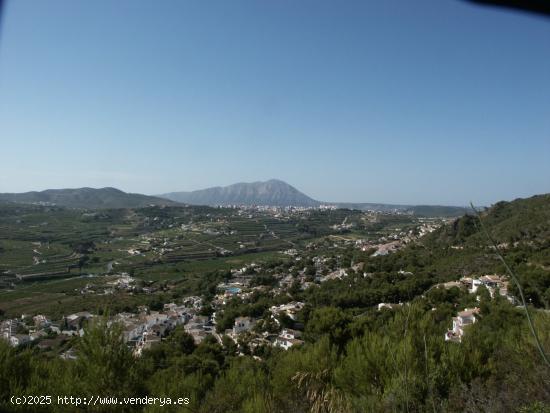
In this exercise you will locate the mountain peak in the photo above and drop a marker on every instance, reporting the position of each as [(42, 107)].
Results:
[(273, 192)]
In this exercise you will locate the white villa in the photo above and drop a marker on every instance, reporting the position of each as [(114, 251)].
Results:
[(243, 324), (460, 322), (288, 338)]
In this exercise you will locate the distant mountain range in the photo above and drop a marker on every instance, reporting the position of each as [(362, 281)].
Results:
[(86, 198), (273, 193), (278, 193)]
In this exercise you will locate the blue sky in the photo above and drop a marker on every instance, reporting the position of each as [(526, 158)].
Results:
[(428, 101)]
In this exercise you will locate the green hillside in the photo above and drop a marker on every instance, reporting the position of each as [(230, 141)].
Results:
[(526, 221), (90, 198), (521, 229)]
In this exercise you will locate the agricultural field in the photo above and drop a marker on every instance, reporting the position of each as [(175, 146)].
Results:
[(49, 256)]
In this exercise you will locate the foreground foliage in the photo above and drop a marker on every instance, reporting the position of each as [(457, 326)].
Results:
[(402, 365)]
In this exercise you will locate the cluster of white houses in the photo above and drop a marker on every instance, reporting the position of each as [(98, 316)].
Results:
[(26, 329), (287, 337), (140, 330), (149, 327), (391, 243), (143, 329), (495, 284)]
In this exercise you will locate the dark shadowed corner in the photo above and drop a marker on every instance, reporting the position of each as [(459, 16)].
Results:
[(532, 6)]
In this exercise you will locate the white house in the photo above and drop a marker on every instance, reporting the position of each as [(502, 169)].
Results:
[(290, 309), (390, 306), (476, 283), (460, 322), (155, 318), (19, 339), (243, 324), (41, 321), (286, 343), (133, 329), (290, 334)]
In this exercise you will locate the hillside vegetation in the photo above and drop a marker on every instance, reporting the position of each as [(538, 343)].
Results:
[(355, 356), (89, 198)]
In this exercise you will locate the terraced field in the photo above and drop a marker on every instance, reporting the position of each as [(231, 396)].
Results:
[(46, 251)]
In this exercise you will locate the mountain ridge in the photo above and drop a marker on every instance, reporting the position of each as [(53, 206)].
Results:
[(250, 193), (273, 192), (86, 197)]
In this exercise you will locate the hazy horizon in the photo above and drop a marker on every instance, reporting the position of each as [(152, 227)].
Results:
[(431, 102), (326, 201)]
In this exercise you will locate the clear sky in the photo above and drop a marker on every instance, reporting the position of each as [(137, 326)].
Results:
[(425, 101)]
